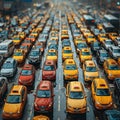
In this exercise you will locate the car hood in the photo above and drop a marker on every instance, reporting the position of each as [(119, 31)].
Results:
[(78, 103), (43, 101), (25, 78), (48, 72), (6, 70), (18, 57), (71, 72), (12, 108), (92, 74), (104, 99), (114, 72)]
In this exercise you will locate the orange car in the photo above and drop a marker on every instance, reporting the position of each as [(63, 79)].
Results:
[(27, 42), (31, 38), (25, 48), (27, 75)]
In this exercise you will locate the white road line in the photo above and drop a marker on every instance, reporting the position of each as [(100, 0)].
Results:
[(59, 103), (59, 87), (58, 118)]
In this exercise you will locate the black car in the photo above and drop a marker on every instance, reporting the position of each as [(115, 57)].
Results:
[(117, 89), (101, 56), (112, 115), (3, 87), (35, 56), (95, 46)]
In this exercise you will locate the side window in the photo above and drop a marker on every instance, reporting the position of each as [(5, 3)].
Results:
[(94, 86)]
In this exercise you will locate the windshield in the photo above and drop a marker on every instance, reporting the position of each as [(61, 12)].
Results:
[(67, 51), (91, 69), (23, 47), (85, 53), (109, 42), (90, 36), (43, 93), (17, 54), (70, 67), (51, 54), (7, 66), (96, 44), (82, 45), (3, 47), (34, 53), (116, 50), (114, 67), (16, 39), (49, 67), (104, 55), (26, 72), (102, 92), (76, 95), (13, 99)]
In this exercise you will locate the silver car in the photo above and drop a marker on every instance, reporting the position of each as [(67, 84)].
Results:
[(9, 67)]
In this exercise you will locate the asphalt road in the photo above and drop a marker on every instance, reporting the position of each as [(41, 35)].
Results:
[(59, 112)]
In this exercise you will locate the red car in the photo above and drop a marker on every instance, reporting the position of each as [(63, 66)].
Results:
[(44, 97), (49, 70), (27, 75)]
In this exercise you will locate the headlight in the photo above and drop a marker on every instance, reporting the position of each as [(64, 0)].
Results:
[(110, 103), (20, 80), (110, 74), (97, 103), (50, 104), (18, 112), (35, 105)]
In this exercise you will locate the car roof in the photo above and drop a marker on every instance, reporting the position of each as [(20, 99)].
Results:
[(45, 85), (76, 86), (101, 83), (16, 89), (111, 62), (69, 61), (27, 66), (90, 63)]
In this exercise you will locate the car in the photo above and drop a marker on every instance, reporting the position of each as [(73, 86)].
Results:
[(85, 54), (101, 56), (53, 46), (112, 114), (90, 70), (101, 95), (40, 117), (49, 70), (19, 55), (117, 89), (22, 35), (28, 43), (32, 38), (64, 36), (25, 48), (70, 70), (114, 52), (65, 43), (44, 97), (95, 46), (95, 31), (35, 56), (102, 37), (27, 75), (100, 26), (52, 55), (86, 33), (40, 45), (76, 102), (67, 53), (107, 44), (3, 87), (15, 102), (90, 38), (17, 40), (78, 40), (117, 41), (111, 69), (81, 45), (113, 36), (9, 67)]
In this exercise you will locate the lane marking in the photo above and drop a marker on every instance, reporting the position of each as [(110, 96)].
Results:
[(58, 118), (59, 87), (59, 103)]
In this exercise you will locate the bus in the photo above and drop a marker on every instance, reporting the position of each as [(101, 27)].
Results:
[(89, 20), (112, 20)]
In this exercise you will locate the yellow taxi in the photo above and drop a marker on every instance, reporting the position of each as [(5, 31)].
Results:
[(79, 25), (22, 35), (76, 102), (34, 33), (100, 26), (64, 36), (67, 53), (41, 117), (70, 70), (17, 40), (111, 69), (86, 33), (101, 95), (113, 36), (90, 38), (85, 54), (90, 71), (19, 55), (83, 28), (78, 40), (52, 55), (118, 60), (102, 37), (15, 103)]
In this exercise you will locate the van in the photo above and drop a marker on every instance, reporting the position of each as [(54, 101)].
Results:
[(6, 48)]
